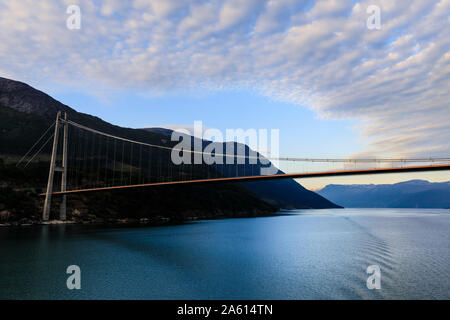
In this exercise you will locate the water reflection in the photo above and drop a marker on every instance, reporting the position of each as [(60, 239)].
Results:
[(301, 255)]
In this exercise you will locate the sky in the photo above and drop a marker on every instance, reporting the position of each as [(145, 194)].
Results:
[(312, 69)]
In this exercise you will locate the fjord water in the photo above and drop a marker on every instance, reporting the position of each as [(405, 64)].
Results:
[(304, 254)]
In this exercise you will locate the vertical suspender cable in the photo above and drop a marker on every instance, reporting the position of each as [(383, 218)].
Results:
[(131, 161), (140, 165), (121, 170), (99, 158), (151, 168), (106, 162)]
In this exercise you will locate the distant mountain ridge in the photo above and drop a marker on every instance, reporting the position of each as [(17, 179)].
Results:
[(408, 194), (25, 113)]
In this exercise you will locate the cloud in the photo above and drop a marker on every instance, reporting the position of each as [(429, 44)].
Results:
[(317, 54)]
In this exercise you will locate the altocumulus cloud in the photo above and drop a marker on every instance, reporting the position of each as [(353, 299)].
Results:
[(317, 54)]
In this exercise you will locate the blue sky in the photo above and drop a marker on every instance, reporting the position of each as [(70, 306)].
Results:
[(312, 69), (302, 132)]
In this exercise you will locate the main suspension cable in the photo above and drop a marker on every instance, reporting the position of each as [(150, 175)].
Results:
[(368, 160)]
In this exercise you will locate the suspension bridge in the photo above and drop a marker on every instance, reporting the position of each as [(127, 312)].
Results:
[(90, 160)]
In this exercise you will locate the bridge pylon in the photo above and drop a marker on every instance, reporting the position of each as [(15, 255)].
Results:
[(54, 167)]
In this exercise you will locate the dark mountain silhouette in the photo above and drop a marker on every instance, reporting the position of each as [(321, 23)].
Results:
[(286, 194), (26, 112), (409, 194)]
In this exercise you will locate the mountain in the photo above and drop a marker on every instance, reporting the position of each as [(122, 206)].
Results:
[(25, 113), (408, 194), (286, 193)]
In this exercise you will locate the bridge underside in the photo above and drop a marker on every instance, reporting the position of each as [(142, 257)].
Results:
[(270, 177)]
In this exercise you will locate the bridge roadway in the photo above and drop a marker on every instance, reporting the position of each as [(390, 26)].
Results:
[(270, 177)]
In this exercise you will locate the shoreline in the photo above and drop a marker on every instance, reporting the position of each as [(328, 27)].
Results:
[(151, 222)]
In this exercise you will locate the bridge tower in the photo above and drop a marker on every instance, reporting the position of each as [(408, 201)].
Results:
[(54, 168)]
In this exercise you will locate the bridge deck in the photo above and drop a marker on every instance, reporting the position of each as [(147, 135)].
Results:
[(271, 177)]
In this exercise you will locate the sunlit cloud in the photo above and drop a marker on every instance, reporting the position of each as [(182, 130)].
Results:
[(317, 54)]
